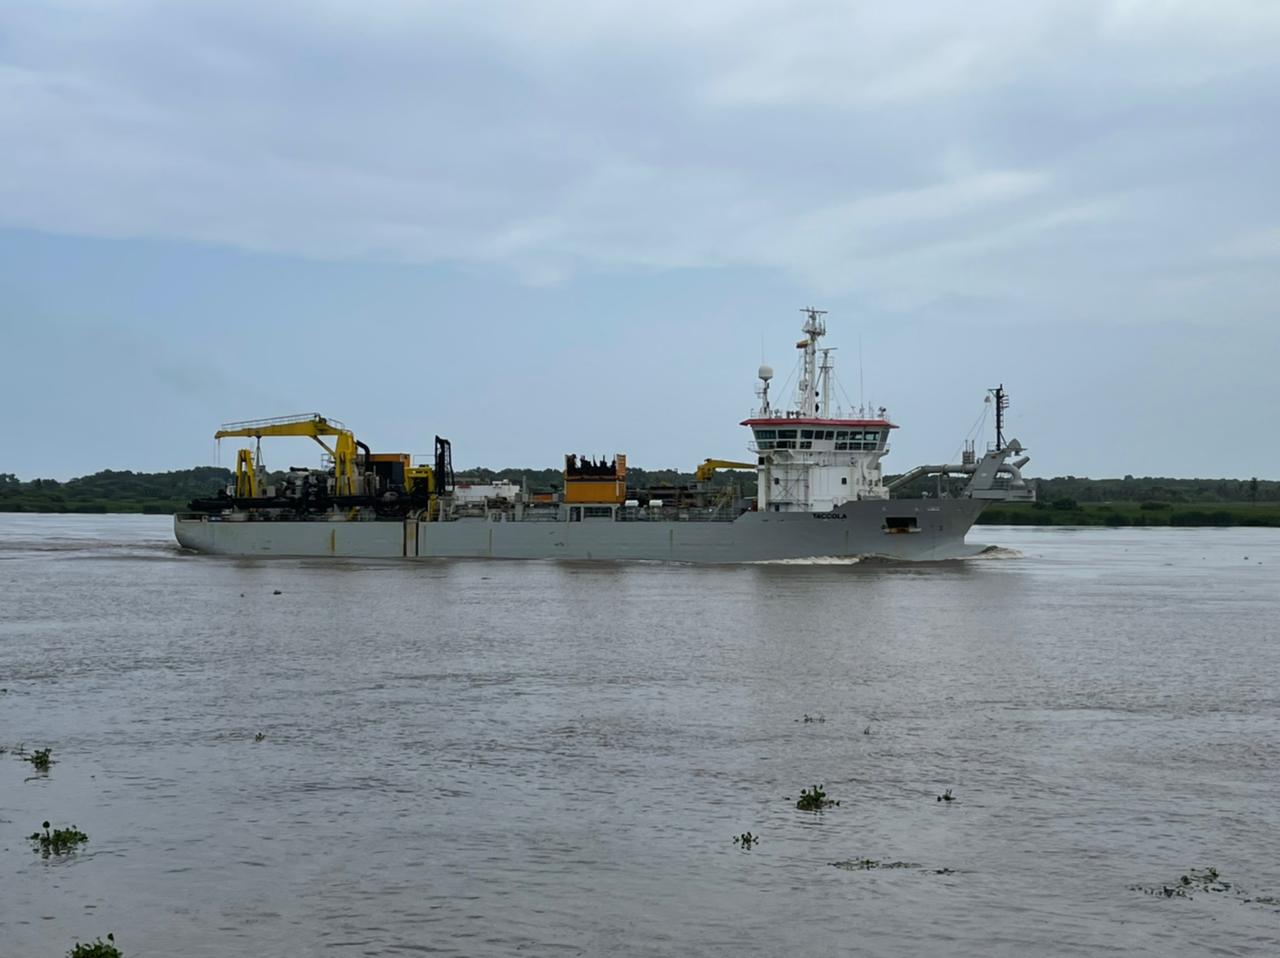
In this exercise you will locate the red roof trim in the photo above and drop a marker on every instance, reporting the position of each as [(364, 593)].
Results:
[(788, 423)]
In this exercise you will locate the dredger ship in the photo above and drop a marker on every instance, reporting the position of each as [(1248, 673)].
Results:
[(820, 492)]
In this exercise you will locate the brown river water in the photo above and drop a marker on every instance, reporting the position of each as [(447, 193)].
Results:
[(548, 758)]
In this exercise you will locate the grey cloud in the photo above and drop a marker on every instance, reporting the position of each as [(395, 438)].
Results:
[(914, 153)]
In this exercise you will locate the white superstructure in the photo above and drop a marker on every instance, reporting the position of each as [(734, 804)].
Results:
[(470, 493), (809, 460)]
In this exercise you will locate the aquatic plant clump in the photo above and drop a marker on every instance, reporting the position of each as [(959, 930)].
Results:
[(870, 864), (96, 948), (1194, 881), (746, 840), (814, 800), (59, 841), (40, 759), (1209, 881)]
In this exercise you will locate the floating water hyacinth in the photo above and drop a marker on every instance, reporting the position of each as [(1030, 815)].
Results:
[(59, 841), (870, 864), (96, 948), (815, 800), (40, 759), (1207, 880)]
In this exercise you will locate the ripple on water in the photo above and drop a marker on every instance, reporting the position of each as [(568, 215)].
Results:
[(467, 758)]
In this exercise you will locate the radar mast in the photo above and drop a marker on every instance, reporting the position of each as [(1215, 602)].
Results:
[(815, 327)]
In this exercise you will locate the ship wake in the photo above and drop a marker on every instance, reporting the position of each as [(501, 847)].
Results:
[(822, 560), (998, 552), (875, 558)]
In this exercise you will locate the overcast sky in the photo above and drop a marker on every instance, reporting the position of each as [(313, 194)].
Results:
[(547, 227)]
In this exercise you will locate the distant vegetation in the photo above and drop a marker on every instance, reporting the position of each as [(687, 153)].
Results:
[(1146, 489), (1068, 500), (1145, 502), (1134, 501), (110, 491), (1059, 512)]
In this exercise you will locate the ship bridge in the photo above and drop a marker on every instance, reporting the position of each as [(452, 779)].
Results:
[(814, 465), (819, 435), (808, 459)]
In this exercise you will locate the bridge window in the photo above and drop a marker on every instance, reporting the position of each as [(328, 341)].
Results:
[(807, 434), (766, 434), (787, 434)]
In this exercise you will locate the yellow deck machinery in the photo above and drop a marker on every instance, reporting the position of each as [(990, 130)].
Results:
[(595, 481), (381, 484), (710, 467), (312, 425)]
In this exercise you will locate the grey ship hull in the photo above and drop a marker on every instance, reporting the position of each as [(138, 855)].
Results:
[(852, 529)]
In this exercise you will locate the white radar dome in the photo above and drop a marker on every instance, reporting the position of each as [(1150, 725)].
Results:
[(765, 373)]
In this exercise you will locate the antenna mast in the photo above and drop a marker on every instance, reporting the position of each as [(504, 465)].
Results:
[(824, 377), (1002, 403), (814, 328)]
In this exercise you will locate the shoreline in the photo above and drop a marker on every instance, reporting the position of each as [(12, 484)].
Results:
[(1124, 514)]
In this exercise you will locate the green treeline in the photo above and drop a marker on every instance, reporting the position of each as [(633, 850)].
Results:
[(111, 491), (1069, 512), (1132, 501), (1146, 489), (1073, 501), (1067, 500)]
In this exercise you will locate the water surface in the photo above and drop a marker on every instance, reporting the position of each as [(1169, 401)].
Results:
[(475, 758)]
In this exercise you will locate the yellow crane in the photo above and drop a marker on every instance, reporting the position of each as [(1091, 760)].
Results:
[(246, 475), (312, 425), (709, 467)]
